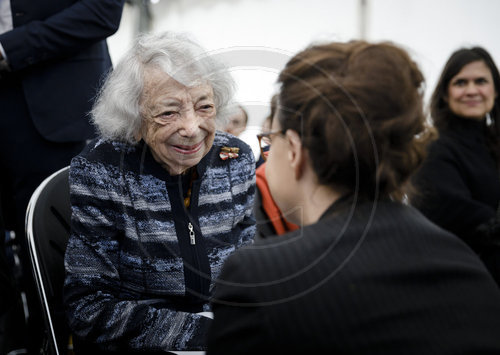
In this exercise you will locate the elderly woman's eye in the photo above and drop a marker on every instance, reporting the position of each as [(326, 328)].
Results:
[(167, 115), (206, 108)]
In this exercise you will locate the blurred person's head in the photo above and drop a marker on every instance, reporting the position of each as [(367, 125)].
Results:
[(349, 121), (269, 119), (266, 125), (167, 91), (467, 87), (236, 121)]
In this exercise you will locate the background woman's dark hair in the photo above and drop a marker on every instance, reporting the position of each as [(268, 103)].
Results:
[(358, 109), (440, 110)]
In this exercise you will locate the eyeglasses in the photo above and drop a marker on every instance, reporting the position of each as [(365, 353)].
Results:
[(265, 140)]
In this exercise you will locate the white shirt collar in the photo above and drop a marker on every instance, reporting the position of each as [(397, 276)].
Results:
[(5, 16)]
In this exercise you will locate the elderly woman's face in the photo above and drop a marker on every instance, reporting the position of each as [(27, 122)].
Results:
[(178, 121)]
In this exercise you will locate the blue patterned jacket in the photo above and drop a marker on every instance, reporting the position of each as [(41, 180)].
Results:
[(135, 274)]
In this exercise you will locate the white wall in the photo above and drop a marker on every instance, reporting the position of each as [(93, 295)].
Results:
[(258, 36), (432, 29)]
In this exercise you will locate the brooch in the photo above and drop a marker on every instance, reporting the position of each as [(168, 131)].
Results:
[(229, 152)]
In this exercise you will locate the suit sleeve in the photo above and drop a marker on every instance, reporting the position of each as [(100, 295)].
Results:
[(63, 34), (240, 322), (99, 311)]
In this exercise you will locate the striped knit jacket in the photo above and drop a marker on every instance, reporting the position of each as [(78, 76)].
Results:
[(139, 265)]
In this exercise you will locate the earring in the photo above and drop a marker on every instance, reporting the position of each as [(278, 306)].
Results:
[(488, 119)]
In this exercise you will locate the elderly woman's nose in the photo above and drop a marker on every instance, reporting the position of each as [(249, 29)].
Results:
[(190, 123)]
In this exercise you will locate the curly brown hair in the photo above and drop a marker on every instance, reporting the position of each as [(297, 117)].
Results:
[(358, 109)]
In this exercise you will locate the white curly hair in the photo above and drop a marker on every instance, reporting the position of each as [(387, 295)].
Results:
[(116, 112)]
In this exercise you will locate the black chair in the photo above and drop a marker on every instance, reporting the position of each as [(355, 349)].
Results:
[(47, 230)]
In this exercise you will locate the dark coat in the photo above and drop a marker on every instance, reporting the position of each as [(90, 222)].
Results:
[(459, 183), (377, 279), (459, 189), (57, 56), (58, 53)]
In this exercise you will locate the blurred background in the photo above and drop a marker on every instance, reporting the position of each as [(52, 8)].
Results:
[(257, 37)]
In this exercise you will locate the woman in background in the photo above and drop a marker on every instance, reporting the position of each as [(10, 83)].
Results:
[(459, 183)]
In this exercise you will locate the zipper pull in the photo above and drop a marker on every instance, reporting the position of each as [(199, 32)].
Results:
[(191, 234)]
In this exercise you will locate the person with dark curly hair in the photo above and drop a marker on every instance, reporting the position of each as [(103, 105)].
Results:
[(366, 273), (459, 183)]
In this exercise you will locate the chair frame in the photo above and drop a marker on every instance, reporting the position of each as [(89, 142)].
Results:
[(33, 250)]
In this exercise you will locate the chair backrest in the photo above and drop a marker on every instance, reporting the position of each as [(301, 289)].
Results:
[(47, 229)]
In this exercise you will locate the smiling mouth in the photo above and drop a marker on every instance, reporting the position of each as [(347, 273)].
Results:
[(188, 149)]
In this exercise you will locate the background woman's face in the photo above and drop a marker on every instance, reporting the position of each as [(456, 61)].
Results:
[(471, 93), (178, 121)]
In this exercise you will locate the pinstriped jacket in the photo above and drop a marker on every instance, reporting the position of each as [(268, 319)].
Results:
[(140, 265)]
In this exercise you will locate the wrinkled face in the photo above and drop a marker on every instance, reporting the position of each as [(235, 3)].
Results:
[(178, 121), (471, 93)]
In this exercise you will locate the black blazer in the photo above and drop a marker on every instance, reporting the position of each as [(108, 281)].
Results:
[(58, 54), (377, 279)]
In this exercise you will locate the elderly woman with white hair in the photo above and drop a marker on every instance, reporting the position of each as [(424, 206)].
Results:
[(158, 202)]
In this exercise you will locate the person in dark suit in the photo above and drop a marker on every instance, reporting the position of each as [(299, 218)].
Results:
[(366, 273), (53, 55)]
